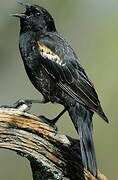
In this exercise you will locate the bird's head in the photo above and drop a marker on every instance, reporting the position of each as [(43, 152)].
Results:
[(35, 18)]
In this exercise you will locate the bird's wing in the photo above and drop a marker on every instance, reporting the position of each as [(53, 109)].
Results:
[(69, 75)]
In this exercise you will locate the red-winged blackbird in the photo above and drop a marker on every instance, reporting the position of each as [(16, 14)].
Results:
[(55, 71)]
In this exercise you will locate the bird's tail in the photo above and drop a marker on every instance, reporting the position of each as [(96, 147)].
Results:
[(82, 120)]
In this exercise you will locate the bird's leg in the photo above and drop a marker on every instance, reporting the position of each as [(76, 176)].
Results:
[(58, 116), (53, 121), (24, 104)]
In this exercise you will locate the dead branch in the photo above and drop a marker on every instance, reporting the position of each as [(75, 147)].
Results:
[(52, 154)]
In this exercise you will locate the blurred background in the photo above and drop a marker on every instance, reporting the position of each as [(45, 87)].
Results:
[(92, 29)]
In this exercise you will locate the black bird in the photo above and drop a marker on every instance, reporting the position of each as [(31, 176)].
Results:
[(55, 71)]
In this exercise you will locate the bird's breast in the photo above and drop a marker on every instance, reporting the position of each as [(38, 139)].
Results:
[(29, 51)]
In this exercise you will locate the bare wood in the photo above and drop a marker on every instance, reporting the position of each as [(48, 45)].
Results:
[(52, 154)]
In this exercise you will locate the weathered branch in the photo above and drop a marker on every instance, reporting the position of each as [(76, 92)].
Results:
[(52, 155)]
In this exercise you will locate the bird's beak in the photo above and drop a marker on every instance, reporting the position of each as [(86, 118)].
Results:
[(26, 5), (29, 6), (22, 16)]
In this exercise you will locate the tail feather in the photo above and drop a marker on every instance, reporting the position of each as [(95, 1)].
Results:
[(87, 150), (82, 120)]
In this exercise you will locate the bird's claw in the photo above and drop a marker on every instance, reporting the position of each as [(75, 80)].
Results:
[(50, 122), (21, 105)]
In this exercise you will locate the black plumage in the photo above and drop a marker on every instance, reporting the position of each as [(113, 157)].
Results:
[(55, 71)]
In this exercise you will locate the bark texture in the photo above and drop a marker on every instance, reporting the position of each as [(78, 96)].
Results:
[(52, 154)]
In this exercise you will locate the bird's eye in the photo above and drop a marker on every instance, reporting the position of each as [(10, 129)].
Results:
[(37, 14)]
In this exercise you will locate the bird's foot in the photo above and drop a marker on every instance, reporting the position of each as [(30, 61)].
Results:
[(24, 105), (21, 105), (50, 122)]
